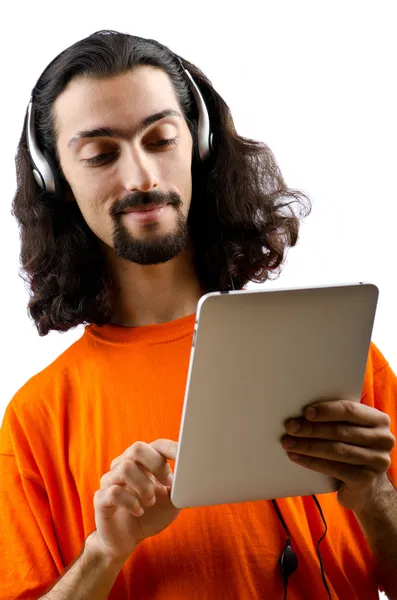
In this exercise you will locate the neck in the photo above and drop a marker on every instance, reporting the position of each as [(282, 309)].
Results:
[(148, 295)]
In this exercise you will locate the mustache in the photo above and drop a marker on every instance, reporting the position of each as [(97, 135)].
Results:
[(141, 199)]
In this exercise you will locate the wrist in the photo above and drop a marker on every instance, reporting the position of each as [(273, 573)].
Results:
[(377, 498), (94, 551)]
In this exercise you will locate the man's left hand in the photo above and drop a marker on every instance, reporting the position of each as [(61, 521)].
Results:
[(346, 440)]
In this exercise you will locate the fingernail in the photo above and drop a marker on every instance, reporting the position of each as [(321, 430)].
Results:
[(311, 413), (293, 456), (289, 442), (170, 479), (294, 426), (151, 501)]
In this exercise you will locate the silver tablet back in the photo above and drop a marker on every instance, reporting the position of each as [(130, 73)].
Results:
[(259, 357)]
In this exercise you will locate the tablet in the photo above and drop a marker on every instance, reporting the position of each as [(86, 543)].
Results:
[(258, 358)]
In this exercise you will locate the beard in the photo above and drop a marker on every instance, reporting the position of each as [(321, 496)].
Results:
[(155, 249)]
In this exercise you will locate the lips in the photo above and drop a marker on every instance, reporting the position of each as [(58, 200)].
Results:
[(143, 208), (149, 213)]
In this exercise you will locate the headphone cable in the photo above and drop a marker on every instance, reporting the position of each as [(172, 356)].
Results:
[(318, 546), (287, 545)]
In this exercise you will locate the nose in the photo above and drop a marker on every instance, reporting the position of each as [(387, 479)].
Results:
[(137, 171)]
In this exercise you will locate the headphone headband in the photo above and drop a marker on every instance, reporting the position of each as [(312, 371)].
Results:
[(204, 135)]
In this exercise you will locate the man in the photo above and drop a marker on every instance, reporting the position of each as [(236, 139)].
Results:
[(129, 211)]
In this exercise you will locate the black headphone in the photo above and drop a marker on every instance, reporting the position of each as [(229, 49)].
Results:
[(47, 175), (288, 560)]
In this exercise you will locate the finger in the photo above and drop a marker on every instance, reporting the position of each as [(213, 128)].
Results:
[(151, 459), (116, 461), (379, 438), (339, 452), (130, 475), (343, 472), (348, 411), (167, 448), (107, 501)]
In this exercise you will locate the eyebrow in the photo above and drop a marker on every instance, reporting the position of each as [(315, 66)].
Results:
[(115, 132)]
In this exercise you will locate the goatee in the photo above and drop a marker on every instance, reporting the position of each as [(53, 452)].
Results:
[(155, 249)]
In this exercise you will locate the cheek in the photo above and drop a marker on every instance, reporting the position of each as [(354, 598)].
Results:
[(180, 176), (91, 200), (90, 191), (187, 196), (92, 196)]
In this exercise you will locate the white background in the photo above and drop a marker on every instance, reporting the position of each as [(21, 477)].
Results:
[(314, 80)]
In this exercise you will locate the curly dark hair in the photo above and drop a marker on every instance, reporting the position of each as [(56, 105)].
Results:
[(241, 219)]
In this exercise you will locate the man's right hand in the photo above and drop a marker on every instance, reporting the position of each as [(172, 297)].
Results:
[(133, 501)]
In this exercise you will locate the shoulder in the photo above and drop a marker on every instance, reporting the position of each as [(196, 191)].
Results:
[(378, 374), (40, 394), (380, 385), (380, 392), (376, 360)]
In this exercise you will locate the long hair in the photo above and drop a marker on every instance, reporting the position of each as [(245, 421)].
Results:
[(241, 220)]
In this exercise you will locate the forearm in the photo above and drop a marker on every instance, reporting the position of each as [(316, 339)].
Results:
[(90, 577), (379, 523)]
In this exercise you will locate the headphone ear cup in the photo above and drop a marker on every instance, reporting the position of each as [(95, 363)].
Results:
[(58, 178), (193, 131), (211, 143)]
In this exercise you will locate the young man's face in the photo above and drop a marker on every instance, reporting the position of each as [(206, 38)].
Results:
[(125, 166)]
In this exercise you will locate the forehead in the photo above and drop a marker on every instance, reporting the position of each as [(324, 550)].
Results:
[(114, 101)]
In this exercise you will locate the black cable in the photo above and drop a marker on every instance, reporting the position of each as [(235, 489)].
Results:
[(283, 523), (318, 547), (288, 560)]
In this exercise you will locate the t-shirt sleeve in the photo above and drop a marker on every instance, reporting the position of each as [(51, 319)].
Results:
[(30, 561), (380, 391)]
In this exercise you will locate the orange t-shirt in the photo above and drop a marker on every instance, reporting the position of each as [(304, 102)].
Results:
[(115, 386)]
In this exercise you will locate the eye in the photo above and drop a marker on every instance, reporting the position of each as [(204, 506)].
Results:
[(100, 158), (166, 142), (107, 157)]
